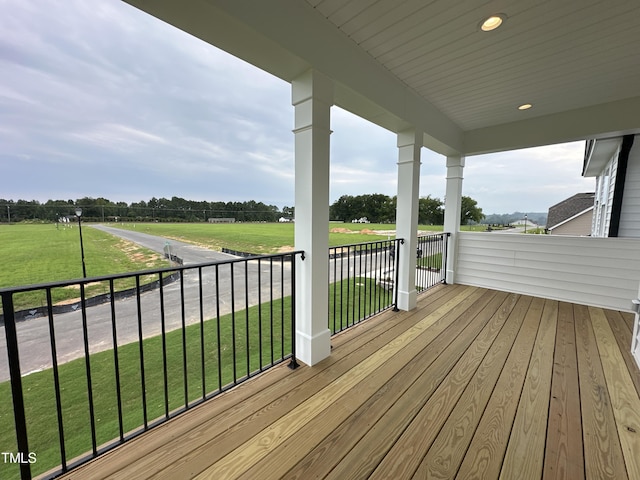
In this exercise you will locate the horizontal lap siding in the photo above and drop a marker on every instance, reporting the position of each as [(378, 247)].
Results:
[(593, 271)]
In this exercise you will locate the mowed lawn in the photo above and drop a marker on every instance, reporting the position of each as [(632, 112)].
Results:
[(43, 253), (261, 238), (40, 253), (33, 254)]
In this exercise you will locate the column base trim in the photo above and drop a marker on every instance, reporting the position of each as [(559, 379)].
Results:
[(407, 300), (313, 349)]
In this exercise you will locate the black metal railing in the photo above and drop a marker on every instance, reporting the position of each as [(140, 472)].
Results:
[(431, 263), (78, 382), (362, 281)]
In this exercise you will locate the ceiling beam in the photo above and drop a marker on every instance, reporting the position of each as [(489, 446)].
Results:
[(597, 121)]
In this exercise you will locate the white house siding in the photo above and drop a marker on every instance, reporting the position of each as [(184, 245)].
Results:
[(630, 212), (602, 272), (605, 184)]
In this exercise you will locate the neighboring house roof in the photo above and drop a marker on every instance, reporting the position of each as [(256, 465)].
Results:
[(569, 208)]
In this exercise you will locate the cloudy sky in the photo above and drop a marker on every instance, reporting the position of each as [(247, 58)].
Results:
[(99, 99)]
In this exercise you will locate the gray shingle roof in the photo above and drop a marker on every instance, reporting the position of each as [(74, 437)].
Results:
[(568, 208)]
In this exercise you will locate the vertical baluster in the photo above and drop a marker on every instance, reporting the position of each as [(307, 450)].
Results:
[(271, 307), (219, 351), (202, 355), (116, 359), (341, 284), (282, 324), (56, 382), (185, 372), (165, 366), (260, 361), (87, 364), (246, 316), (375, 279), (233, 324), (362, 278), (143, 382)]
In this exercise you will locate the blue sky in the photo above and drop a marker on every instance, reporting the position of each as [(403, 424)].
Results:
[(99, 99)]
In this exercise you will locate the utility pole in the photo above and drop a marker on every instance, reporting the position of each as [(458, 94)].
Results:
[(8, 214)]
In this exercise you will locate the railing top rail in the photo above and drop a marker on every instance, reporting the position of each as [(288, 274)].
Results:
[(374, 242), (439, 234), (181, 268)]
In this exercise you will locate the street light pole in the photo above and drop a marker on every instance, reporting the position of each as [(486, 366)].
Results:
[(525, 223), (79, 214)]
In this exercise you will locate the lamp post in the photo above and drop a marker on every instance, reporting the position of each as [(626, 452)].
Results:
[(79, 215), (525, 223)]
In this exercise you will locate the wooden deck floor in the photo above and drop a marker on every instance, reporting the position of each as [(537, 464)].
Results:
[(474, 384)]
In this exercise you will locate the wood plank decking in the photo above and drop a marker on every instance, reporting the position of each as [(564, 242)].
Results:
[(474, 384)]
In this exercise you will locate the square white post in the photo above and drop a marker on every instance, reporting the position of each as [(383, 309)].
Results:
[(452, 211), (312, 98), (409, 144)]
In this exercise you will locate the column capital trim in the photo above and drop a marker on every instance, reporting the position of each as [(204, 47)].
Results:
[(409, 137), (455, 161), (312, 84)]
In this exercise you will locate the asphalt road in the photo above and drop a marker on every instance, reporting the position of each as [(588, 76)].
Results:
[(190, 254), (216, 281)]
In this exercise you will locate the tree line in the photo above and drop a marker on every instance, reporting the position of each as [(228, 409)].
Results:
[(175, 209), (377, 208)]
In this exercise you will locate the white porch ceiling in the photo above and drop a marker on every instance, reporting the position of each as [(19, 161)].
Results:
[(427, 64)]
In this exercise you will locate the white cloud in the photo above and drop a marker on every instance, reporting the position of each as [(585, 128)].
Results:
[(100, 99)]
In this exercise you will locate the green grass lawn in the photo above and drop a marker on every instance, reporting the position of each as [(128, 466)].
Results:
[(262, 238), (430, 261), (359, 296), (42, 253)]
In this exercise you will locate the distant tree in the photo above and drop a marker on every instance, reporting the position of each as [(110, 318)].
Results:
[(288, 212), (344, 209), (377, 208), (430, 211), (470, 211)]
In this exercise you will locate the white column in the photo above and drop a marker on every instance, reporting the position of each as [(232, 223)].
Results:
[(312, 97), (452, 211), (409, 144)]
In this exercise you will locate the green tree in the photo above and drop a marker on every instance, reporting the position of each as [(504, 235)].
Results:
[(469, 211), (430, 211)]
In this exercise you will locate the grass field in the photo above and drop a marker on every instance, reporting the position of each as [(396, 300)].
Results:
[(34, 254), (42, 253), (260, 238)]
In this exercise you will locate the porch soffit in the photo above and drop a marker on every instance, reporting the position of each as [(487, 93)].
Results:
[(427, 64)]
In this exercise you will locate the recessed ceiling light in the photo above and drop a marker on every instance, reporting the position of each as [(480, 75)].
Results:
[(525, 106), (492, 22)]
